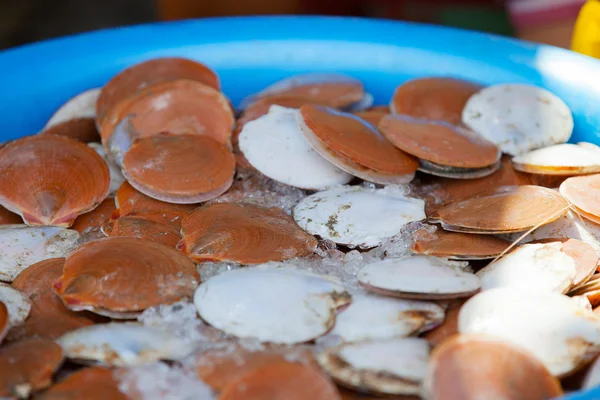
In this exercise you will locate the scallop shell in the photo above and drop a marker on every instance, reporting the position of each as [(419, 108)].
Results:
[(122, 344), (243, 233), (120, 277), (28, 366), (456, 246), (23, 245), (435, 98), (131, 202), (394, 366), (49, 318), (373, 116), (145, 228), (419, 277), (282, 380), (556, 329), (183, 169), (478, 367), (519, 118), (274, 145), (89, 224), (4, 321), (380, 318), (139, 76), (583, 254), (560, 159), (357, 216), (589, 290), (94, 383), (82, 106), (504, 210), (50, 180), (271, 304), (9, 218), (448, 328), (583, 192), (116, 176), (18, 304), (80, 129)]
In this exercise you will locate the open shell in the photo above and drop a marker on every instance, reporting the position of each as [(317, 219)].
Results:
[(137, 77), (28, 366), (274, 145), (435, 98), (357, 216), (17, 303), (560, 159), (93, 383), (583, 192), (122, 344), (50, 180), (478, 367), (145, 228), (80, 129), (395, 366), (272, 304), (556, 329), (23, 246), (503, 210), (243, 233), (129, 201), (184, 169), (519, 118), (380, 318), (419, 277), (120, 277), (82, 106)]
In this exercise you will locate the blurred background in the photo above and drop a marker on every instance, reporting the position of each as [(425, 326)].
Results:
[(546, 21)]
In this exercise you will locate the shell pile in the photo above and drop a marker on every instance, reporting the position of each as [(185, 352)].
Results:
[(308, 245)]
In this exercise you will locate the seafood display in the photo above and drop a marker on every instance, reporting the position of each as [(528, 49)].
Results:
[(156, 242)]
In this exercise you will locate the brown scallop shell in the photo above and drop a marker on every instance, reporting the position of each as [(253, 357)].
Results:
[(129, 201), (183, 169), (49, 318), (50, 180), (448, 328), (584, 193), (93, 383), (145, 228), (4, 326), (503, 210), (243, 233), (438, 99), (478, 367), (356, 140), (457, 246), (28, 366), (81, 129), (439, 142), (90, 223), (282, 380), (9, 218), (120, 276), (139, 76), (177, 107)]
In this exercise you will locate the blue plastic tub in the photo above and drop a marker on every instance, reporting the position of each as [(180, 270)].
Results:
[(250, 53)]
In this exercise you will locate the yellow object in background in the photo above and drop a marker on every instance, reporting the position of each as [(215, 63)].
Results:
[(586, 36)]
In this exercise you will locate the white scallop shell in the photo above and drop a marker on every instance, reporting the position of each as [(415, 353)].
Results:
[(560, 159), (274, 145), (518, 118), (17, 304), (81, 106), (357, 216)]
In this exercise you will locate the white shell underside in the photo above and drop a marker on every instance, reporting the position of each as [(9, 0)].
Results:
[(560, 159), (17, 304), (81, 106), (116, 177)]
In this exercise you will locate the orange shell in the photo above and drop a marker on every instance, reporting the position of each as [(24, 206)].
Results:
[(49, 318), (179, 168), (584, 193), (448, 328), (282, 380), (81, 129), (3, 321), (144, 228), (131, 202), (120, 274), (438, 99), (439, 142), (356, 140), (373, 116), (50, 180), (243, 233), (93, 383), (139, 76), (27, 366), (504, 210), (177, 107), (93, 220), (479, 367), (9, 218)]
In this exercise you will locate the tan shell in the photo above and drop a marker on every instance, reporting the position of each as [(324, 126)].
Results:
[(131, 202), (9, 218), (50, 180), (504, 210), (243, 233), (28, 366), (183, 169), (81, 129), (139, 76), (478, 367), (457, 246), (584, 193), (94, 383), (438, 99), (141, 227), (121, 276)]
